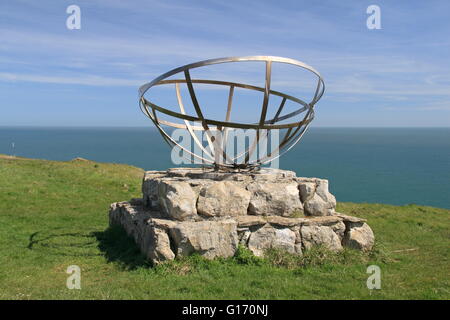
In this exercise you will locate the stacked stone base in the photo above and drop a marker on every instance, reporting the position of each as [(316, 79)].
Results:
[(186, 211)]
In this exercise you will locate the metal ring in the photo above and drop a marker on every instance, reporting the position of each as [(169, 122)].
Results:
[(217, 155)]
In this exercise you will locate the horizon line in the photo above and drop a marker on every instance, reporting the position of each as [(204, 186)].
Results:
[(151, 127)]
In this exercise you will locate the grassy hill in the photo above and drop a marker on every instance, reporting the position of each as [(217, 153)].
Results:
[(54, 214)]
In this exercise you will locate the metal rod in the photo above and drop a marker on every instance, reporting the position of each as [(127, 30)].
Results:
[(218, 156)]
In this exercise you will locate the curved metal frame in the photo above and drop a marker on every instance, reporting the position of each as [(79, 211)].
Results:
[(218, 157)]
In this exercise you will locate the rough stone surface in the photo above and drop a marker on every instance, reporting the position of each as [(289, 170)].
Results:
[(268, 237), (130, 217), (247, 221), (339, 229), (334, 222), (177, 199), (223, 198), (316, 206), (317, 200), (285, 222), (272, 192), (359, 236), (156, 245), (346, 218), (307, 190), (320, 236), (209, 238), (150, 188), (274, 198), (244, 235), (185, 211)]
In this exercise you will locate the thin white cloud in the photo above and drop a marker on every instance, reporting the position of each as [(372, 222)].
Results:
[(89, 80), (145, 57), (427, 106)]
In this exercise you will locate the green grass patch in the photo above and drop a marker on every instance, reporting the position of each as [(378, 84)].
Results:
[(54, 214)]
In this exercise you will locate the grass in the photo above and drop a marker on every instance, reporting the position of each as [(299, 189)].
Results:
[(54, 214)]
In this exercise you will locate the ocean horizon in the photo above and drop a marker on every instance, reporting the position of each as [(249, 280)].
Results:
[(391, 165)]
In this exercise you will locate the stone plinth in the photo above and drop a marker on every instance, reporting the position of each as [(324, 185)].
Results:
[(187, 210)]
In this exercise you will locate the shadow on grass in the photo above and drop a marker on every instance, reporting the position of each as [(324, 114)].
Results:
[(118, 247), (113, 243), (63, 243)]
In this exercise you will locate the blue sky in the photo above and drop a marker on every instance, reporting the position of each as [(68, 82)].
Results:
[(51, 76)]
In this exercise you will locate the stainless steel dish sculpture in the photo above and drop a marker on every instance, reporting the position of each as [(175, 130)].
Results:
[(216, 131)]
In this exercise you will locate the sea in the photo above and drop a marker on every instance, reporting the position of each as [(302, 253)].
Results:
[(396, 166)]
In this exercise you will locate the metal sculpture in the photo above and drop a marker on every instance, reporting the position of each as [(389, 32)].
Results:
[(216, 154)]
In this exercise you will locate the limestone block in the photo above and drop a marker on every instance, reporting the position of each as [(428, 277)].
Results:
[(196, 210), (208, 238), (156, 245), (320, 235), (150, 188), (334, 222), (177, 199), (250, 221), (223, 198), (272, 198), (316, 198), (359, 236), (243, 235), (131, 218), (307, 190), (268, 237)]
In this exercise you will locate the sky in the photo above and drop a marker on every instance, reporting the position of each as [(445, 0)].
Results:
[(396, 76)]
